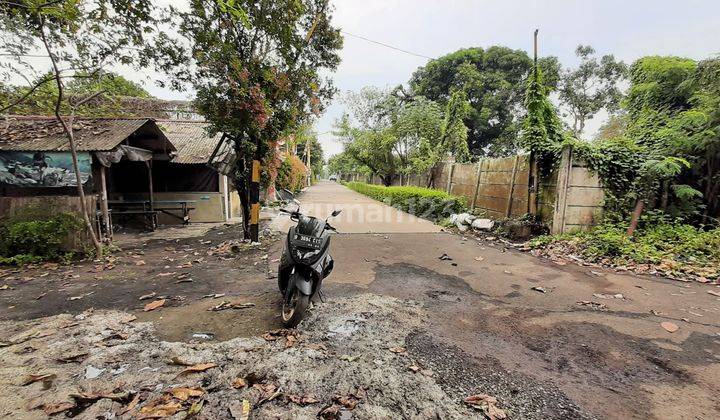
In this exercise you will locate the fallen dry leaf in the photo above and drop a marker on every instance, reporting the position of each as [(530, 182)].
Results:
[(178, 361), (303, 400), (669, 326), (714, 293), (184, 393), (349, 401), (160, 410), (200, 367), (147, 296), (397, 350), (154, 305), (31, 379), (238, 383), (487, 405), (56, 408), (166, 274), (73, 358), (131, 406), (139, 262)]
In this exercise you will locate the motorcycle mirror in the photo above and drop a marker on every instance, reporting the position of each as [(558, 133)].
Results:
[(336, 212), (285, 195)]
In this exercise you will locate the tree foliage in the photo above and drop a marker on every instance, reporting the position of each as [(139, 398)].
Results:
[(391, 136), (493, 80), (542, 132), (592, 87), (256, 69), (42, 100)]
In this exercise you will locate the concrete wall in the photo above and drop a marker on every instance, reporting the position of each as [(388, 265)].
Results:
[(568, 198), (579, 197), (208, 206)]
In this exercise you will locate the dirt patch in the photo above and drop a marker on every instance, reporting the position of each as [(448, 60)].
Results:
[(197, 322), (182, 270), (341, 359)]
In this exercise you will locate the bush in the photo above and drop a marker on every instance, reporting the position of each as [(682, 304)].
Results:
[(291, 174), (422, 202), (23, 241), (681, 247)]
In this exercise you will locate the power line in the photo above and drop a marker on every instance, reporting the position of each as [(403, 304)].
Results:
[(387, 46)]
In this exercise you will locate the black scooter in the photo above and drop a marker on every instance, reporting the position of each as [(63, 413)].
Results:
[(305, 262)]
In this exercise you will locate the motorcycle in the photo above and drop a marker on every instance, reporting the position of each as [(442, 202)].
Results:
[(305, 262)]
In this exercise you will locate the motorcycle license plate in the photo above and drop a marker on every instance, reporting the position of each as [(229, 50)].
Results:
[(309, 240)]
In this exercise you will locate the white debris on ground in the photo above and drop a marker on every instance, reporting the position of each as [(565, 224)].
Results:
[(347, 360), (465, 221)]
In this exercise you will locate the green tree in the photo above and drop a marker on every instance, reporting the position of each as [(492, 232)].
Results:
[(493, 80), (304, 136), (256, 67), (79, 40), (42, 100), (343, 164), (672, 109), (542, 133), (393, 136), (592, 87)]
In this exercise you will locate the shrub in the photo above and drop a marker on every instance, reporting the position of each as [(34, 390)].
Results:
[(422, 202), (291, 174), (23, 241), (680, 246)]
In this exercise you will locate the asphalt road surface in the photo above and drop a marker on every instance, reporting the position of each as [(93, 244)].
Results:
[(548, 340), (611, 361)]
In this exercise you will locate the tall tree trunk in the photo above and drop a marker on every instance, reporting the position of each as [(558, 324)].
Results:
[(243, 191), (68, 129)]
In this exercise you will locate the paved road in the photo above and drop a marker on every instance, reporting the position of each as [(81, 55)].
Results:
[(360, 214), (612, 361), (483, 328)]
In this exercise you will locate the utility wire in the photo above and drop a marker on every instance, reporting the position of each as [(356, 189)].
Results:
[(387, 46)]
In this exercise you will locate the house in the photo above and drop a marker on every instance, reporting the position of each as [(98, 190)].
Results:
[(132, 169)]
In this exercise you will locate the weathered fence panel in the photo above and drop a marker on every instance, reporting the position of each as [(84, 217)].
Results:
[(568, 198)]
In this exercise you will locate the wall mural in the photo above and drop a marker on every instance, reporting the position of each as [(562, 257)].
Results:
[(42, 169)]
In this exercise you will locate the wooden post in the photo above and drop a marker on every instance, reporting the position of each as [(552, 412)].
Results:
[(450, 176), (104, 204), (508, 208), (477, 184), (148, 163)]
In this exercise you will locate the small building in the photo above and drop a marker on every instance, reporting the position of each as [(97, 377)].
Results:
[(150, 171), (188, 177)]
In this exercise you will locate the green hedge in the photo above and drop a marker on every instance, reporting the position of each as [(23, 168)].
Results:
[(422, 202)]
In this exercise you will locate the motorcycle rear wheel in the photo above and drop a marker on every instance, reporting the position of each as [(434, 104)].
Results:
[(294, 308)]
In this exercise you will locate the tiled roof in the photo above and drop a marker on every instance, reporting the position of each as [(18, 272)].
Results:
[(34, 133), (191, 140)]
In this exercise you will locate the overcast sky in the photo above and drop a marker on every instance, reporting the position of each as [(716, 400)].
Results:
[(629, 29)]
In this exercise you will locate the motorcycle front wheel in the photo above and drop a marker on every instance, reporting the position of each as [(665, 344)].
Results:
[(294, 308)]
